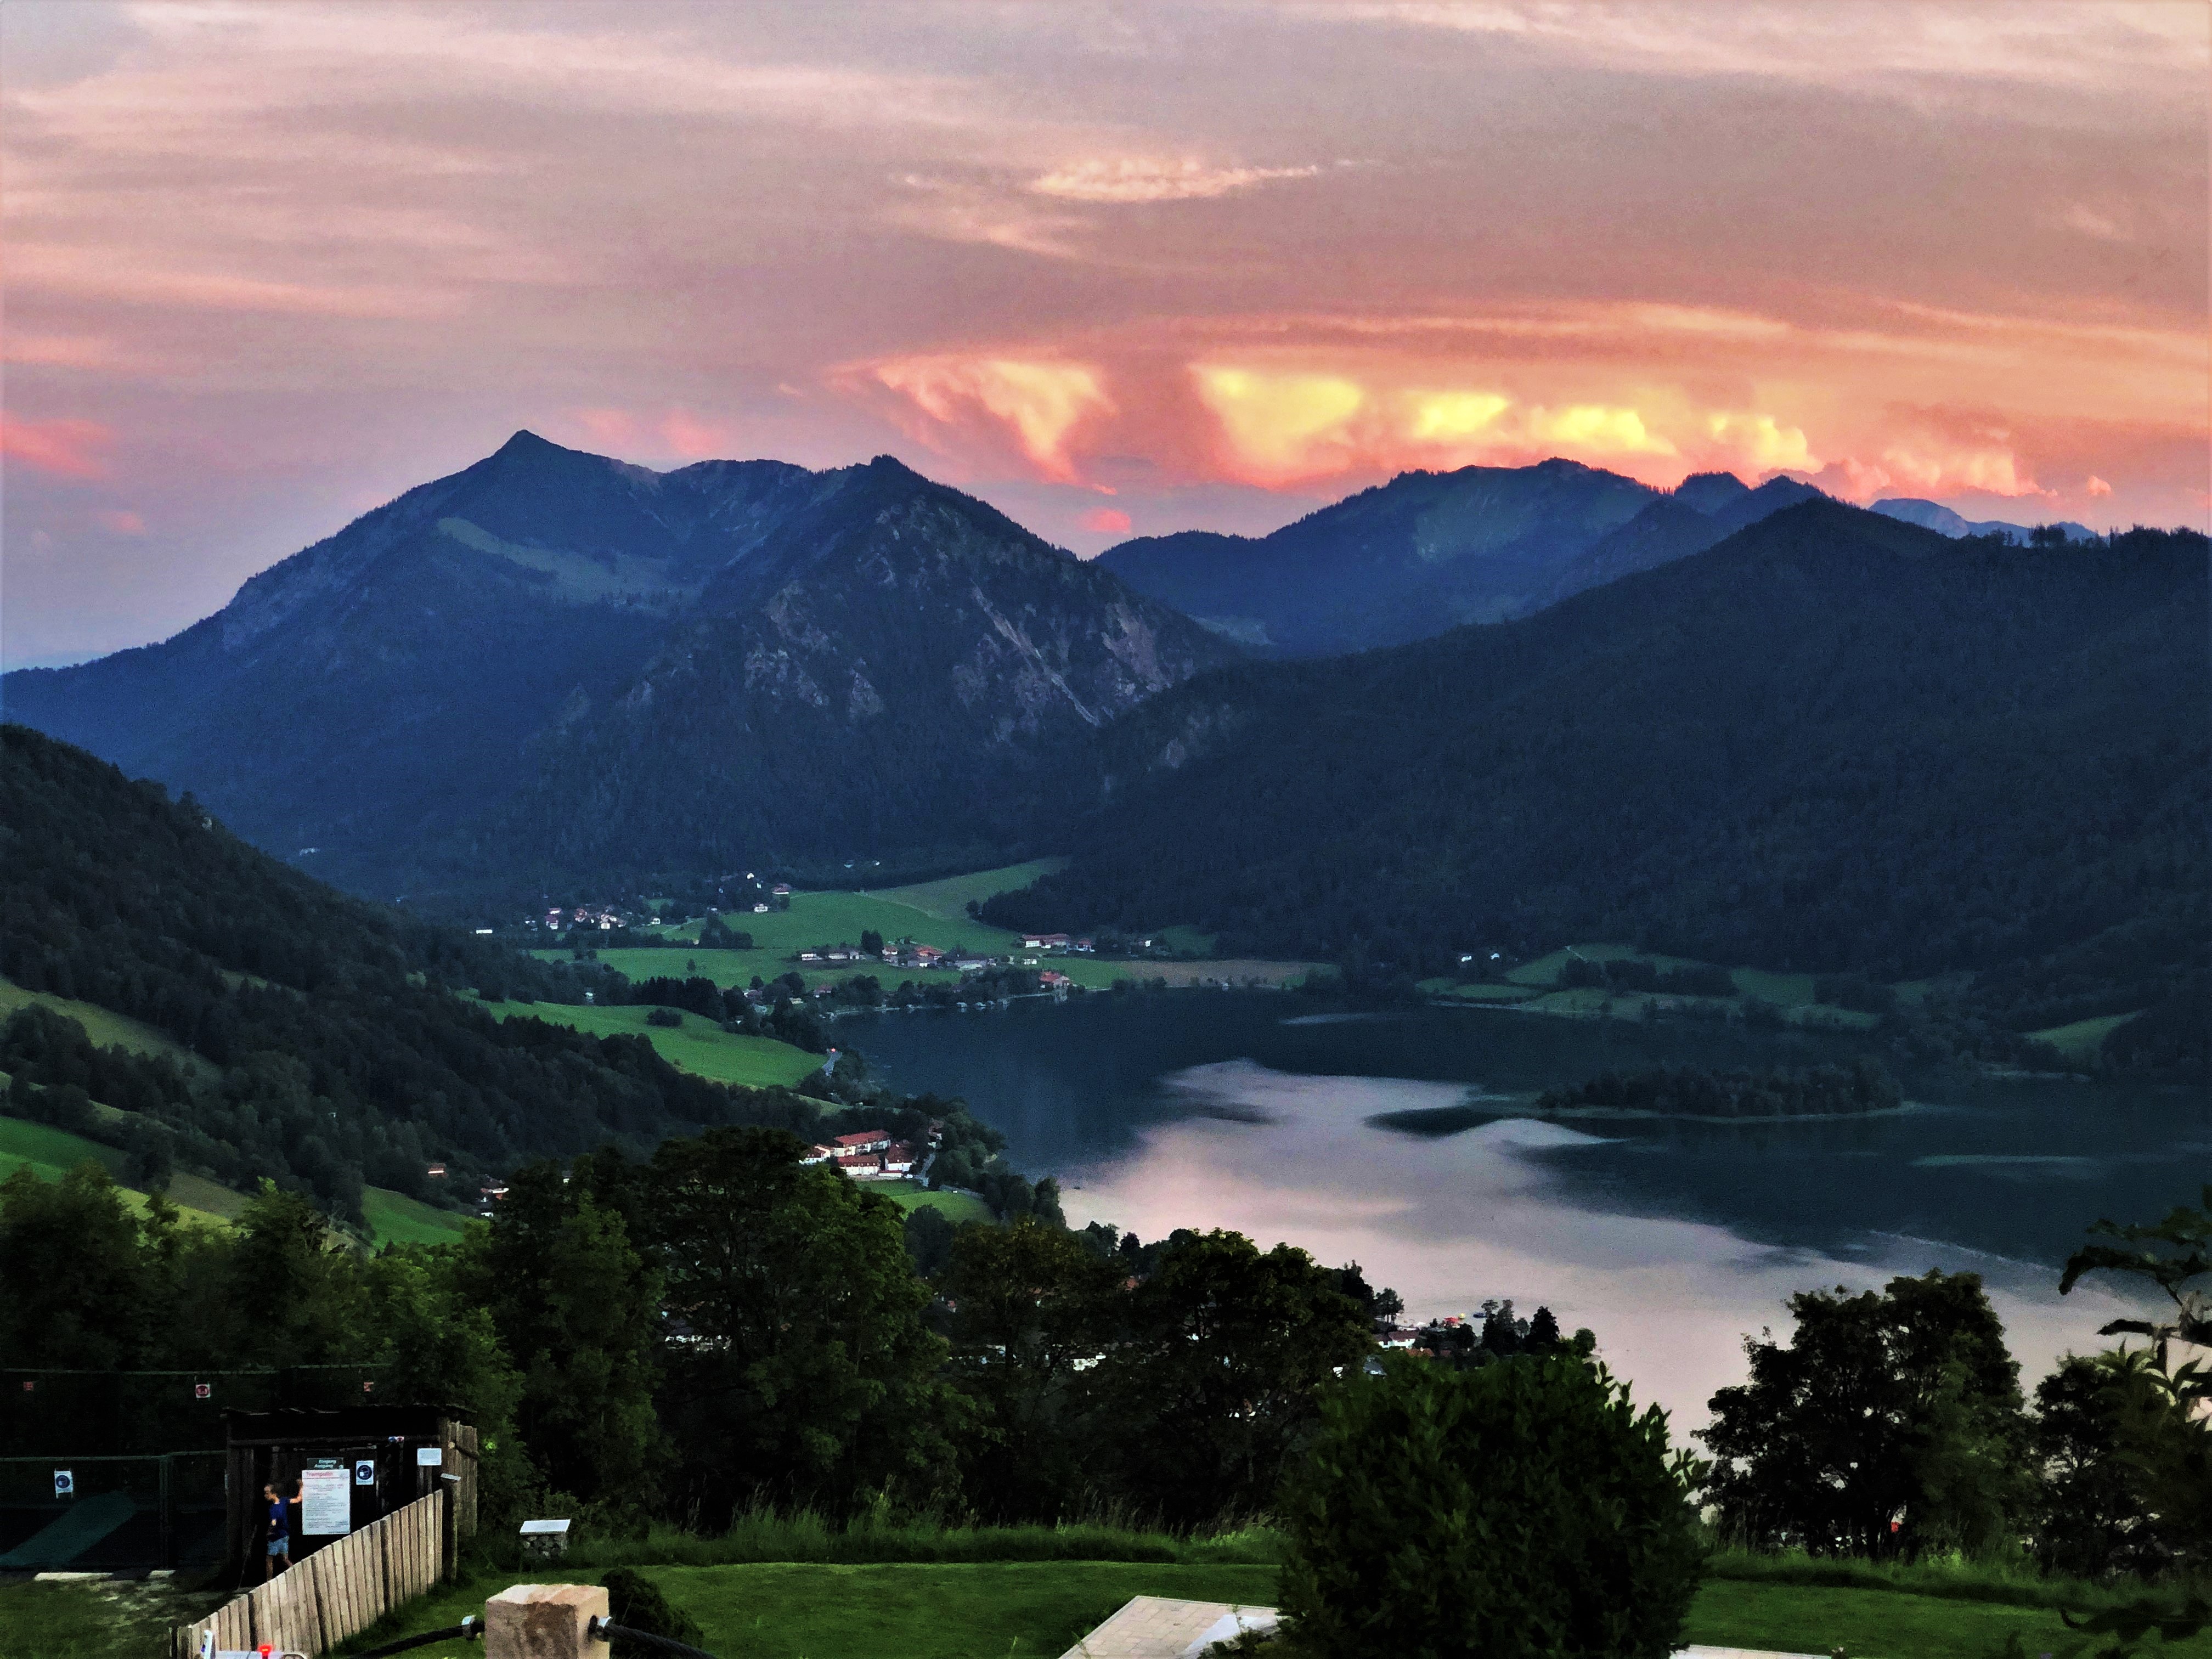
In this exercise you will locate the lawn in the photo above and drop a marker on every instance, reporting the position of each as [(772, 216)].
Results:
[(395, 1219), (2080, 1040), (698, 1045), (948, 900), (991, 1610), (912, 1195), (50, 1153)]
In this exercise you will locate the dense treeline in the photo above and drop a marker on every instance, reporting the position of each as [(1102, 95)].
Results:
[(327, 1047), (1822, 1090), (1834, 744), (720, 1327)]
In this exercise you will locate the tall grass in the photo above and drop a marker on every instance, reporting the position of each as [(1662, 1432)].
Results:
[(806, 1535), (2017, 1583)]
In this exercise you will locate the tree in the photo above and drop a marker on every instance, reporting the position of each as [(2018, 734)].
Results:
[(1214, 1382), (2090, 1519), (73, 1283), (2160, 1436), (1028, 1303), (293, 1287), (1893, 1421), (808, 1377), (1522, 1509), (1544, 1334), (577, 1306), (872, 941)]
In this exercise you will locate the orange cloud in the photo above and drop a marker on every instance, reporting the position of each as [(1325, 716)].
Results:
[(1138, 179), (1037, 403), (63, 447), (2097, 486), (1105, 521), (119, 521)]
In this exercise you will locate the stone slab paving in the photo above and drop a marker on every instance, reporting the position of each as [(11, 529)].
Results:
[(1161, 1627)]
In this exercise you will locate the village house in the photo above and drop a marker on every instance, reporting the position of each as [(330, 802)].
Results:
[(862, 1166), (867, 1140), (899, 1158), (1052, 980), (782, 889), (819, 1154)]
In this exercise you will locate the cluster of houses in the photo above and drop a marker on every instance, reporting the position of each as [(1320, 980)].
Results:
[(1057, 942), (905, 954), (873, 1155), (605, 917)]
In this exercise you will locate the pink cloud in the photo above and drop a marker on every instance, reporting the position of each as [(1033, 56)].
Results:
[(63, 447), (610, 428), (692, 438), (1105, 521), (2097, 486), (119, 521)]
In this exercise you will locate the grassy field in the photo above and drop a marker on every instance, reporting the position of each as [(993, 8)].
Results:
[(1532, 984), (396, 1218), (911, 1196), (105, 1029), (1031, 1609), (2080, 1040), (698, 1045), (50, 1153), (948, 900), (818, 918)]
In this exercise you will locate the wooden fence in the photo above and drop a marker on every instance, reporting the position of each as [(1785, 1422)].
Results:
[(338, 1591)]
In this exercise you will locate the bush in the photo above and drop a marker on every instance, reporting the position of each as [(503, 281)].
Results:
[(664, 1017), (634, 1600), (1522, 1509)]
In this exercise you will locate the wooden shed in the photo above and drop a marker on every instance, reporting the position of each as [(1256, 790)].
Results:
[(390, 1455)]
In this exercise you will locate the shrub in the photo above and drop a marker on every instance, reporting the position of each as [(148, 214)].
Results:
[(634, 1599), (664, 1017), (1522, 1509)]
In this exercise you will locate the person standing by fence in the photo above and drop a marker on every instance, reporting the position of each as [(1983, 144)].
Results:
[(279, 1556)]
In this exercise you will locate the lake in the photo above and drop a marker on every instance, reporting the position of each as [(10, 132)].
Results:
[(1671, 1239)]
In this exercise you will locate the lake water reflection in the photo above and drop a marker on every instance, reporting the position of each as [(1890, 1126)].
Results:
[(1671, 1239)]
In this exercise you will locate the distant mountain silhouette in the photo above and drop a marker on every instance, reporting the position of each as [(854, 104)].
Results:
[(731, 661), (1431, 550), (1934, 515)]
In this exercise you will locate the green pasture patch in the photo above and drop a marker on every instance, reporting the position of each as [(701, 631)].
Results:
[(1885, 1624), (948, 900), (1782, 990), (50, 1153), (1181, 937), (820, 919), (1546, 969), (1490, 991), (913, 1195), (395, 1219), (2080, 1040), (107, 1029), (698, 1045)]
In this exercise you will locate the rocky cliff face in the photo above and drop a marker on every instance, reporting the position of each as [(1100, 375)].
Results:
[(554, 655)]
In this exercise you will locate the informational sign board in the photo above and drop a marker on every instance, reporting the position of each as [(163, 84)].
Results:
[(325, 1502), (429, 1457), (364, 1472), (203, 1391), (64, 1484)]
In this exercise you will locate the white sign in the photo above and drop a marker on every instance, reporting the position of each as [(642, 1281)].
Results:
[(429, 1457), (325, 1502), (64, 1484), (364, 1472)]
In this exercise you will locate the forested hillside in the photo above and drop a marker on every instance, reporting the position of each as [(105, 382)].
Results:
[(1835, 742), (326, 1046)]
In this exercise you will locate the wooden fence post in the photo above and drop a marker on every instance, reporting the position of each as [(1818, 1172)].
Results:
[(545, 1621)]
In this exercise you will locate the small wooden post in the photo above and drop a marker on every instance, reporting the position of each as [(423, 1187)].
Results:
[(545, 1621)]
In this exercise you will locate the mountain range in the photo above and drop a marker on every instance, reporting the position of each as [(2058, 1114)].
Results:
[(1433, 551), (552, 661), (1833, 742), (1934, 515)]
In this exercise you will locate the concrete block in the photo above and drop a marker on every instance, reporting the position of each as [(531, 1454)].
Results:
[(545, 1621)]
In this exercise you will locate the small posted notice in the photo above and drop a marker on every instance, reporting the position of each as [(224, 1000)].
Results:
[(326, 1501)]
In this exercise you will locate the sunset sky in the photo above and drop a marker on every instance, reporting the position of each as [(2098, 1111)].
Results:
[(1119, 269)]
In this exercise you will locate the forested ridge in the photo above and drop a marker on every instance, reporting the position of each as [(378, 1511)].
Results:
[(329, 1048), (1833, 744)]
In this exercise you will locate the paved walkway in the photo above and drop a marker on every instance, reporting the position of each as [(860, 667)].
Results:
[(1160, 1627)]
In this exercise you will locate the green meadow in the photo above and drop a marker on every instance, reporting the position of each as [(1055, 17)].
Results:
[(106, 1030), (395, 1219), (2079, 1041), (948, 900), (698, 1045), (1534, 986)]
